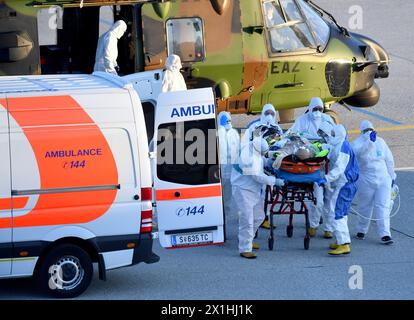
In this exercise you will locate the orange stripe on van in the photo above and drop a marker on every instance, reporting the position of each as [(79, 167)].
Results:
[(18, 203), (69, 127), (189, 193)]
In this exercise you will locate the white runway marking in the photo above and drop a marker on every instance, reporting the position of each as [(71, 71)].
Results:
[(405, 169)]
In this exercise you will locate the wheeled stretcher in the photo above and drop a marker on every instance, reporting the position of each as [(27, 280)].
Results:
[(295, 196)]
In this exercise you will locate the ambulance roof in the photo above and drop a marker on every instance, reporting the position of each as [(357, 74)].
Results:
[(57, 83)]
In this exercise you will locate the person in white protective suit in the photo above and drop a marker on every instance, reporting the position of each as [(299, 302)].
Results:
[(247, 179), (268, 117), (307, 125), (173, 80), (107, 49), (377, 177), (229, 144), (340, 185)]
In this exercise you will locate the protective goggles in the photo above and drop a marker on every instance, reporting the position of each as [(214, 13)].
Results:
[(367, 130), (320, 109), (269, 113)]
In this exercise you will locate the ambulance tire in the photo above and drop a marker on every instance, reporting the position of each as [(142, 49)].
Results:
[(76, 269)]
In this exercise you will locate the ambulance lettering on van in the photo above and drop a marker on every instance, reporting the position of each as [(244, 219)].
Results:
[(73, 153), (193, 111), (56, 222)]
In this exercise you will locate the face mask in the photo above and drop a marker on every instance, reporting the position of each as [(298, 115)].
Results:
[(367, 135), (317, 115), (270, 119), (228, 126)]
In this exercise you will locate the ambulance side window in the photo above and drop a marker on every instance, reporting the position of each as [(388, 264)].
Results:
[(185, 38), (149, 115), (187, 152)]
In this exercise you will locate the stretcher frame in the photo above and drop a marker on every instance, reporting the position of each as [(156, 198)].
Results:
[(282, 201)]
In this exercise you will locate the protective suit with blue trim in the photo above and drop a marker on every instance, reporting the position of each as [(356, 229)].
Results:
[(247, 179), (308, 125), (377, 176), (229, 146), (340, 186), (107, 49)]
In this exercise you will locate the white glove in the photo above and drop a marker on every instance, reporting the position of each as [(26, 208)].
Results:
[(279, 182), (271, 180)]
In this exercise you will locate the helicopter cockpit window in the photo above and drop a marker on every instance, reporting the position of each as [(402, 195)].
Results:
[(185, 39), (320, 28), (286, 27)]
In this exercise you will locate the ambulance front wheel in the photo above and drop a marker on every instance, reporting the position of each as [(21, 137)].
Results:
[(65, 272)]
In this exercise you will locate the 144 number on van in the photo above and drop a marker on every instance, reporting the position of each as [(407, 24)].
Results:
[(75, 164), (190, 211)]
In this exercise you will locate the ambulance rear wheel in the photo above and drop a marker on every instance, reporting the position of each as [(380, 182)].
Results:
[(65, 272)]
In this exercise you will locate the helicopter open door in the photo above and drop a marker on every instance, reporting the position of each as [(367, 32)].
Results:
[(186, 177)]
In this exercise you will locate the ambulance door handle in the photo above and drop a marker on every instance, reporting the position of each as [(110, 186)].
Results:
[(177, 194)]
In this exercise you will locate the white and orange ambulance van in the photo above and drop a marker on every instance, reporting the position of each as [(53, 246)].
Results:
[(76, 186)]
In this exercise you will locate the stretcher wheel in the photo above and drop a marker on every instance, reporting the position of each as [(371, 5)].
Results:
[(289, 231), (271, 243), (306, 242)]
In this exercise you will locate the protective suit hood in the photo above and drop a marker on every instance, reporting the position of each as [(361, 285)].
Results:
[(260, 145), (224, 120), (266, 119), (366, 125), (315, 102), (173, 63), (340, 135), (119, 28)]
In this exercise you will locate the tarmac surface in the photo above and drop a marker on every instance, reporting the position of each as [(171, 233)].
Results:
[(290, 272)]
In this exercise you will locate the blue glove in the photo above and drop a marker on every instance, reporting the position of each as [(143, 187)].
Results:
[(322, 182), (373, 136), (117, 69), (393, 183)]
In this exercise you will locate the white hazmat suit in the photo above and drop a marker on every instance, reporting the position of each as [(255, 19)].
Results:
[(376, 178), (107, 49), (229, 144), (340, 187), (247, 180), (307, 125), (173, 80)]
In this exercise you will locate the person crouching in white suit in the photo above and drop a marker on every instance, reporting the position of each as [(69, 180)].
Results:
[(173, 80)]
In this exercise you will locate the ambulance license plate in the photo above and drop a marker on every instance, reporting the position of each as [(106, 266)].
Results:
[(180, 240)]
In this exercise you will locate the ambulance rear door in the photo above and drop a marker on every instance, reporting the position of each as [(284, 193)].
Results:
[(5, 193), (187, 178)]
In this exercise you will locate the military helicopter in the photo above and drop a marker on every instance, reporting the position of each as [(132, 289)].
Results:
[(252, 52)]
